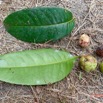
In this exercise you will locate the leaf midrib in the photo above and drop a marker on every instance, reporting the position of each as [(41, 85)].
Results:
[(39, 65), (43, 25)]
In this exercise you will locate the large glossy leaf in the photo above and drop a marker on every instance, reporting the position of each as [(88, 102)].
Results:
[(40, 24), (35, 67)]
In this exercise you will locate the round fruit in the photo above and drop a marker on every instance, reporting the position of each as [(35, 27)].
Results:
[(88, 63), (84, 40), (101, 67), (99, 51)]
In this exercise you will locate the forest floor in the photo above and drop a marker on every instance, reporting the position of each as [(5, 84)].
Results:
[(78, 86)]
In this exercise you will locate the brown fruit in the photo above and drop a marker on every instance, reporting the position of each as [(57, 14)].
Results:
[(99, 51), (84, 40)]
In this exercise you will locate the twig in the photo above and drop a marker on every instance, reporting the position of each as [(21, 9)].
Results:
[(79, 28), (34, 94)]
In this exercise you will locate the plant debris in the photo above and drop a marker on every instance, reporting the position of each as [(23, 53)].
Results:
[(88, 14)]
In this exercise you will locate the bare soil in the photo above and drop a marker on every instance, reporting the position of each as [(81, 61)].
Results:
[(78, 86)]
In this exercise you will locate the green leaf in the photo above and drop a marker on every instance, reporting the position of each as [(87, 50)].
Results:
[(35, 67), (40, 24)]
